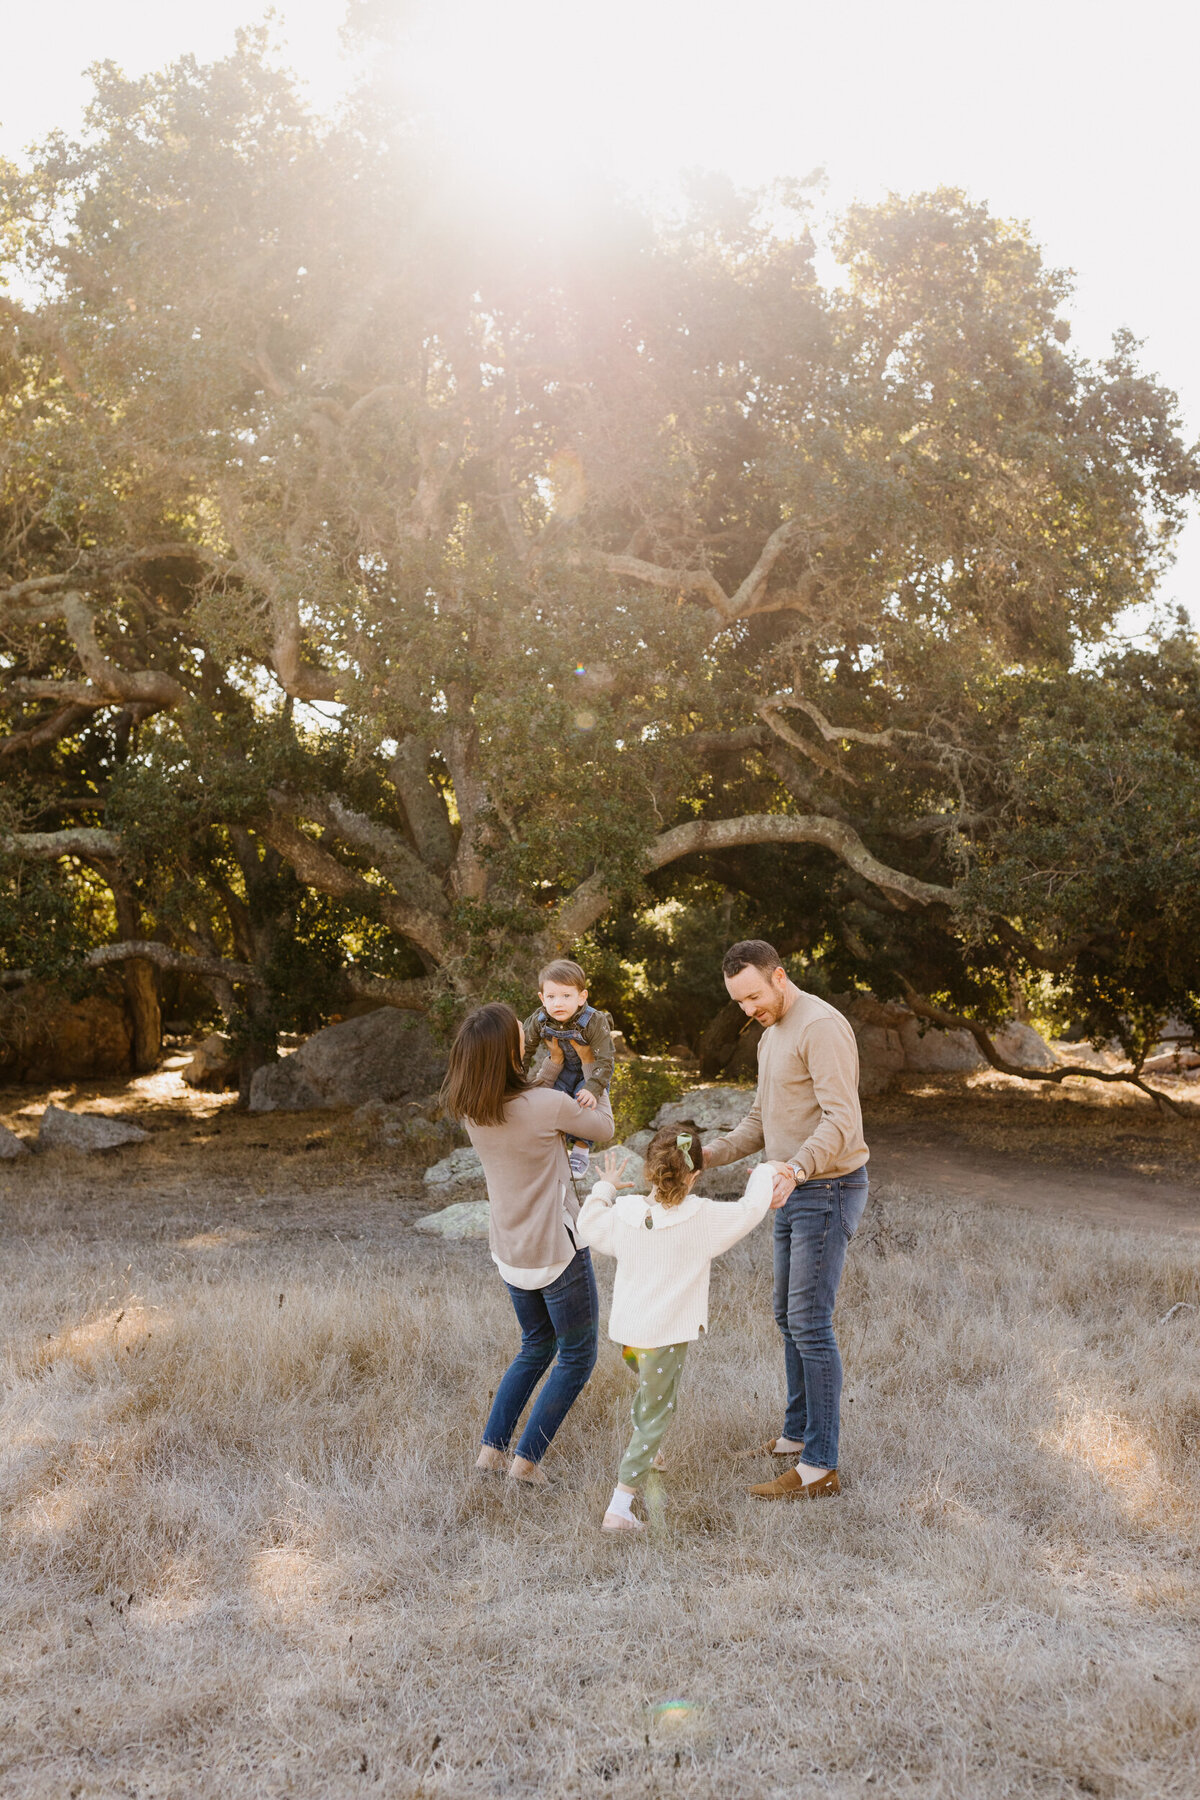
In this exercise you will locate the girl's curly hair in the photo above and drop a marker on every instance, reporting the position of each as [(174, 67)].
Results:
[(674, 1156)]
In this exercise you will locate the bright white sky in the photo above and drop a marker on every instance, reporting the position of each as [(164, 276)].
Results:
[(1077, 115)]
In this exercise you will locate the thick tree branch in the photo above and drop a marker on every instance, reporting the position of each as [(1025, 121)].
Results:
[(424, 807), (769, 710), (949, 1021), (747, 599), (73, 840), (833, 734), (800, 787), (592, 898), (151, 688), (678, 581), (321, 870), (386, 848), (409, 996), (163, 957), (46, 731), (299, 679), (302, 680)]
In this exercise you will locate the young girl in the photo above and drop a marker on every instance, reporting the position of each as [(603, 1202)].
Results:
[(664, 1246)]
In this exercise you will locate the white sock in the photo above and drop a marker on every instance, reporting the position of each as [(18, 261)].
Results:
[(622, 1503), (807, 1473), (787, 1443)]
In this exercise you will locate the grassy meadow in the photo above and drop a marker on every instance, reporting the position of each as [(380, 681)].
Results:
[(244, 1551)]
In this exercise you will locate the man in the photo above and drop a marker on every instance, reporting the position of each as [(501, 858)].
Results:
[(805, 1115)]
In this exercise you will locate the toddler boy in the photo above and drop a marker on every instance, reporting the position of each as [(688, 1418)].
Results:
[(566, 1018)]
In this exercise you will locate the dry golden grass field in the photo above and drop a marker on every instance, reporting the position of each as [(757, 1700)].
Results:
[(244, 1552)]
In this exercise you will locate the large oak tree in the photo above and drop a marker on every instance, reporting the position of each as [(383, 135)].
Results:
[(393, 593)]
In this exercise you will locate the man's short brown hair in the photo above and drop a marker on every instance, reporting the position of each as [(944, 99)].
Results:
[(568, 973), (751, 953)]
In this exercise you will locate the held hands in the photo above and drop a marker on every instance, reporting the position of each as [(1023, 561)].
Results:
[(784, 1182)]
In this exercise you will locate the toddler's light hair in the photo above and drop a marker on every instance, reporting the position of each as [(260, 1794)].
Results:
[(566, 973), (671, 1151)]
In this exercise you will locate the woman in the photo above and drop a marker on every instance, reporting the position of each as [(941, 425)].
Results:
[(518, 1132)]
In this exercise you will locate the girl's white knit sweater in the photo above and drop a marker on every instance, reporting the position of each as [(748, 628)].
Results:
[(664, 1253)]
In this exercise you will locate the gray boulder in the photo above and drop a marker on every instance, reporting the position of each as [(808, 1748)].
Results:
[(85, 1132), (933, 1051), (714, 1107), (880, 1057), (460, 1167), (939, 1052), (412, 1128), (213, 1065), (382, 1055), (462, 1219), (630, 1167), (1020, 1043), (11, 1146)]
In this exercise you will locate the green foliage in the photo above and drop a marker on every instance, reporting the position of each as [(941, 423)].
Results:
[(1098, 855), (425, 559), (638, 1090)]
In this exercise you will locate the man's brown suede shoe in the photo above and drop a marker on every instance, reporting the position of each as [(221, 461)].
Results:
[(789, 1486)]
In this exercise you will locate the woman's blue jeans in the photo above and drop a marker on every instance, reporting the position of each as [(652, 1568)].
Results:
[(812, 1229), (558, 1325)]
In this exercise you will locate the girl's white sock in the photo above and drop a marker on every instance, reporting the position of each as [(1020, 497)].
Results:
[(808, 1473), (622, 1503)]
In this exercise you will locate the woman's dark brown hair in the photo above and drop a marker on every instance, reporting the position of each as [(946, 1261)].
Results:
[(674, 1156), (485, 1065)]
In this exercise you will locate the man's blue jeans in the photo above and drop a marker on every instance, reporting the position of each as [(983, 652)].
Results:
[(563, 1319), (812, 1229)]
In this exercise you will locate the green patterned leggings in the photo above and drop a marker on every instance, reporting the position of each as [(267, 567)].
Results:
[(658, 1373)]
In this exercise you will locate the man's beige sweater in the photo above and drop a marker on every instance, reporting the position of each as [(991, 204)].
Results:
[(806, 1109)]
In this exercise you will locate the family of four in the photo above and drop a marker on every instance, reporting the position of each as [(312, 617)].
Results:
[(531, 1119)]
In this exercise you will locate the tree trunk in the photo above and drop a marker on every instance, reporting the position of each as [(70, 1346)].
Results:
[(140, 980)]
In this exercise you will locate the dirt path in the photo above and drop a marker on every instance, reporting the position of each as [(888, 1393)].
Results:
[(912, 1160)]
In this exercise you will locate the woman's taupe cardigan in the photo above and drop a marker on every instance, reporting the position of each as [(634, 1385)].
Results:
[(528, 1178)]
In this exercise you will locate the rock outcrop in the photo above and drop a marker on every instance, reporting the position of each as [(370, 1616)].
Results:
[(456, 1170), (461, 1219), (85, 1132), (11, 1146), (213, 1065), (382, 1055), (413, 1128), (44, 1039)]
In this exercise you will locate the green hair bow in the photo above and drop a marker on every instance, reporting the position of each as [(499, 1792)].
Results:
[(684, 1142)]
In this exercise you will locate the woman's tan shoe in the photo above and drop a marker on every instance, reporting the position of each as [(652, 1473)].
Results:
[(615, 1521), (530, 1473), (789, 1486)]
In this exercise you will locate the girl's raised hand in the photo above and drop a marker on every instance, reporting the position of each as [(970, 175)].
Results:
[(611, 1166)]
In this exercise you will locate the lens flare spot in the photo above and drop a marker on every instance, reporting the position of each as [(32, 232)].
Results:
[(585, 721), (674, 1715)]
